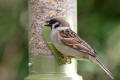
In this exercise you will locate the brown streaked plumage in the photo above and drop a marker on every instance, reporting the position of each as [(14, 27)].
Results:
[(76, 43), (70, 44)]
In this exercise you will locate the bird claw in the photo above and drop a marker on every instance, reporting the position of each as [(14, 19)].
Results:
[(67, 59)]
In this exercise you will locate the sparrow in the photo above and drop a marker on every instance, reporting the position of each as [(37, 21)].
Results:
[(70, 44)]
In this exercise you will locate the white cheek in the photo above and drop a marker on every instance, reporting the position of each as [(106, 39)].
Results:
[(53, 25), (62, 28)]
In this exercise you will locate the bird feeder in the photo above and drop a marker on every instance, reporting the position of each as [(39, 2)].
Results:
[(42, 63)]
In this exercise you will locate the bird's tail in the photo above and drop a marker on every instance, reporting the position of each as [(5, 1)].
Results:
[(96, 61)]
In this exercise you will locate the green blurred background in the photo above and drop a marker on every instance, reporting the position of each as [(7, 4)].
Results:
[(98, 24)]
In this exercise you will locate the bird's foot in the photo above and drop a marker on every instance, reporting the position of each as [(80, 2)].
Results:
[(64, 58), (67, 59)]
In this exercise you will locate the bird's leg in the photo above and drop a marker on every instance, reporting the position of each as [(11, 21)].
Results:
[(64, 58), (69, 58)]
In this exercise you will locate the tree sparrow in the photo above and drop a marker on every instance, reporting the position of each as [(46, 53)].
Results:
[(70, 44)]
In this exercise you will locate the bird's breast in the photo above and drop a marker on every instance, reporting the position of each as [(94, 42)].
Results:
[(60, 46)]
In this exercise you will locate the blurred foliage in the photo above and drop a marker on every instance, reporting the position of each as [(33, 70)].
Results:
[(98, 24), (13, 40)]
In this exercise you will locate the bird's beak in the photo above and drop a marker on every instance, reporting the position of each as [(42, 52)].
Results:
[(47, 23)]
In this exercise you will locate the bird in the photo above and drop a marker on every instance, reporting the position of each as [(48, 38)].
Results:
[(71, 45)]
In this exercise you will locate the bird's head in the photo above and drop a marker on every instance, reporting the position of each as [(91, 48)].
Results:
[(57, 22)]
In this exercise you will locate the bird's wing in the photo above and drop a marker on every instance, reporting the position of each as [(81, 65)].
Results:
[(71, 39)]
